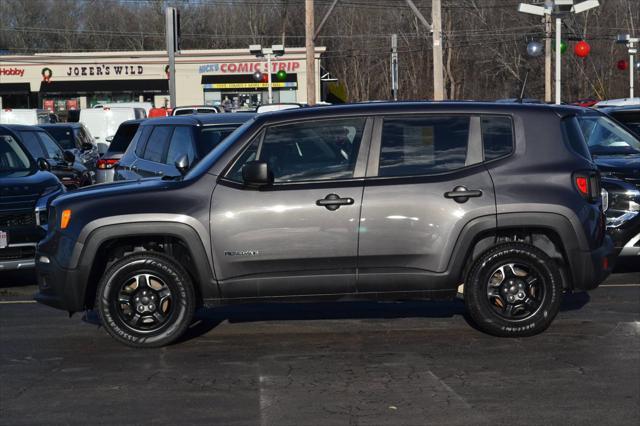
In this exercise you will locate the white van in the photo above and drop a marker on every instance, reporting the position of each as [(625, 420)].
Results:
[(147, 106), (618, 102), (104, 122), (29, 117)]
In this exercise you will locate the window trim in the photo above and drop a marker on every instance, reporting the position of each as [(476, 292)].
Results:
[(513, 137), (474, 143), (360, 166)]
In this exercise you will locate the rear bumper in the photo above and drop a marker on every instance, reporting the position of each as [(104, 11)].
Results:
[(590, 268)]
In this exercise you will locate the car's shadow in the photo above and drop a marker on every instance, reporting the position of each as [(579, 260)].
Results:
[(206, 319)]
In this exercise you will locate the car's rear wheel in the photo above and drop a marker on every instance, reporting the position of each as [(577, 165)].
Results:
[(513, 289), (146, 300)]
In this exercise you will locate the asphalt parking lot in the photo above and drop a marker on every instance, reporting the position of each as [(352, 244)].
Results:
[(355, 363)]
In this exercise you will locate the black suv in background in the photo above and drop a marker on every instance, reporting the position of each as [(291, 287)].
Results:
[(75, 137), (160, 142), (63, 164), (381, 200), (616, 151), (627, 115), (25, 191)]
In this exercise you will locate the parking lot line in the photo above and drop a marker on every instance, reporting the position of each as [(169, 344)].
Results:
[(14, 302), (619, 285)]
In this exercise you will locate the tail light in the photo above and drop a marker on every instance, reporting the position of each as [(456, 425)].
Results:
[(108, 163), (588, 185)]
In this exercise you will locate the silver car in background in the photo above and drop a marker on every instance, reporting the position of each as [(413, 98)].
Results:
[(119, 144)]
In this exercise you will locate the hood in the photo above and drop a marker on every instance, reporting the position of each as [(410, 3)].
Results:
[(624, 166), (27, 182), (118, 188)]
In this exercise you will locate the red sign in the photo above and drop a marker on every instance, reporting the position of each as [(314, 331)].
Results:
[(48, 105), (12, 71), (72, 104)]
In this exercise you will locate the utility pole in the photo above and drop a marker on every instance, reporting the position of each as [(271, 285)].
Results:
[(558, 60), (311, 57), (630, 42), (394, 66), (438, 72), (172, 19), (547, 58)]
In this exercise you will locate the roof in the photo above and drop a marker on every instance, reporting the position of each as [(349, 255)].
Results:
[(630, 108), (394, 107), (67, 124), (203, 119), (20, 128)]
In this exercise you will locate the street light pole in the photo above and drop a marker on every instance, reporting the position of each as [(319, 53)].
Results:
[(632, 67), (558, 59), (270, 88)]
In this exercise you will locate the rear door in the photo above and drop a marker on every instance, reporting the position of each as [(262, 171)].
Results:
[(414, 205)]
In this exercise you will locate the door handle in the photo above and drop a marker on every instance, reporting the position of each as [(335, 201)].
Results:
[(461, 194), (333, 202)]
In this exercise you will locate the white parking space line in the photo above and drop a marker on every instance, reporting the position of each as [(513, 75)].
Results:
[(619, 285), (16, 302)]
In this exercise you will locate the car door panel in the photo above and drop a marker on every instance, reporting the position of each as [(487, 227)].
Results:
[(410, 224), (293, 238)]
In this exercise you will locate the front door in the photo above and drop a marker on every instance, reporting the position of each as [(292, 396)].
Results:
[(414, 205), (299, 235)]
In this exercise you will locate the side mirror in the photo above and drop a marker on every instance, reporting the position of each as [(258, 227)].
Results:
[(257, 173), (43, 164), (182, 164), (68, 157), (109, 139), (87, 146)]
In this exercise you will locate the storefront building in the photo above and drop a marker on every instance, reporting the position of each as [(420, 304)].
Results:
[(60, 82)]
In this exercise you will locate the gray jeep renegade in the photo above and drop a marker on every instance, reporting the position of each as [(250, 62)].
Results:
[(383, 201)]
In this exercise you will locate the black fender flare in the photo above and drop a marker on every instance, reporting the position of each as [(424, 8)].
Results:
[(207, 285)]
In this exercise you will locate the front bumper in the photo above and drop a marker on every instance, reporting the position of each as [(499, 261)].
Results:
[(57, 286), (590, 268), (18, 256)]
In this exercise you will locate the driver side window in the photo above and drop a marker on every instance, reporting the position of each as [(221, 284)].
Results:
[(307, 151)]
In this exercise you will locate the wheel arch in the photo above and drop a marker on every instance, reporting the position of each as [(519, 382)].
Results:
[(107, 242)]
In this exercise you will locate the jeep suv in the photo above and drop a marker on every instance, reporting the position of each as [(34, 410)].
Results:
[(381, 200)]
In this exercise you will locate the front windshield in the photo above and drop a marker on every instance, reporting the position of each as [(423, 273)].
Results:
[(605, 137), (12, 157)]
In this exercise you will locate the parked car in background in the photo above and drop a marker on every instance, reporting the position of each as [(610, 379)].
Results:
[(197, 109), (123, 137), (27, 117), (628, 115), (618, 102), (25, 192), (616, 151), (75, 137), (393, 201), (586, 103), (41, 146), (160, 142), (103, 122), (146, 106)]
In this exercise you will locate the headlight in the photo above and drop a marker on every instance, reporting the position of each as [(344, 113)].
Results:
[(623, 207), (604, 194)]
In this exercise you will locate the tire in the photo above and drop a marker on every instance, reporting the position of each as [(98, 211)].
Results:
[(146, 300), (504, 302)]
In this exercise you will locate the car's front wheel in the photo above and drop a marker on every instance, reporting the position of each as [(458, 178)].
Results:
[(513, 289), (146, 300)]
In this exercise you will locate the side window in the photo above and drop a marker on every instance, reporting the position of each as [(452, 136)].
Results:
[(497, 137), (31, 142), (314, 150), (181, 144), (140, 139), (51, 147), (157, 144), (423, 145), (210, 137)]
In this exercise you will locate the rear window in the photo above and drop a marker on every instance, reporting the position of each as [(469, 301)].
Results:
[(157, 144), (63, 135), (631, 119), (573, 137), (123, 137), (497, 137), (210, 137)]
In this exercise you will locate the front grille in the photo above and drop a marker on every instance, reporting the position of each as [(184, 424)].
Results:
[(12, 199), (15, 253), (17, 219)]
